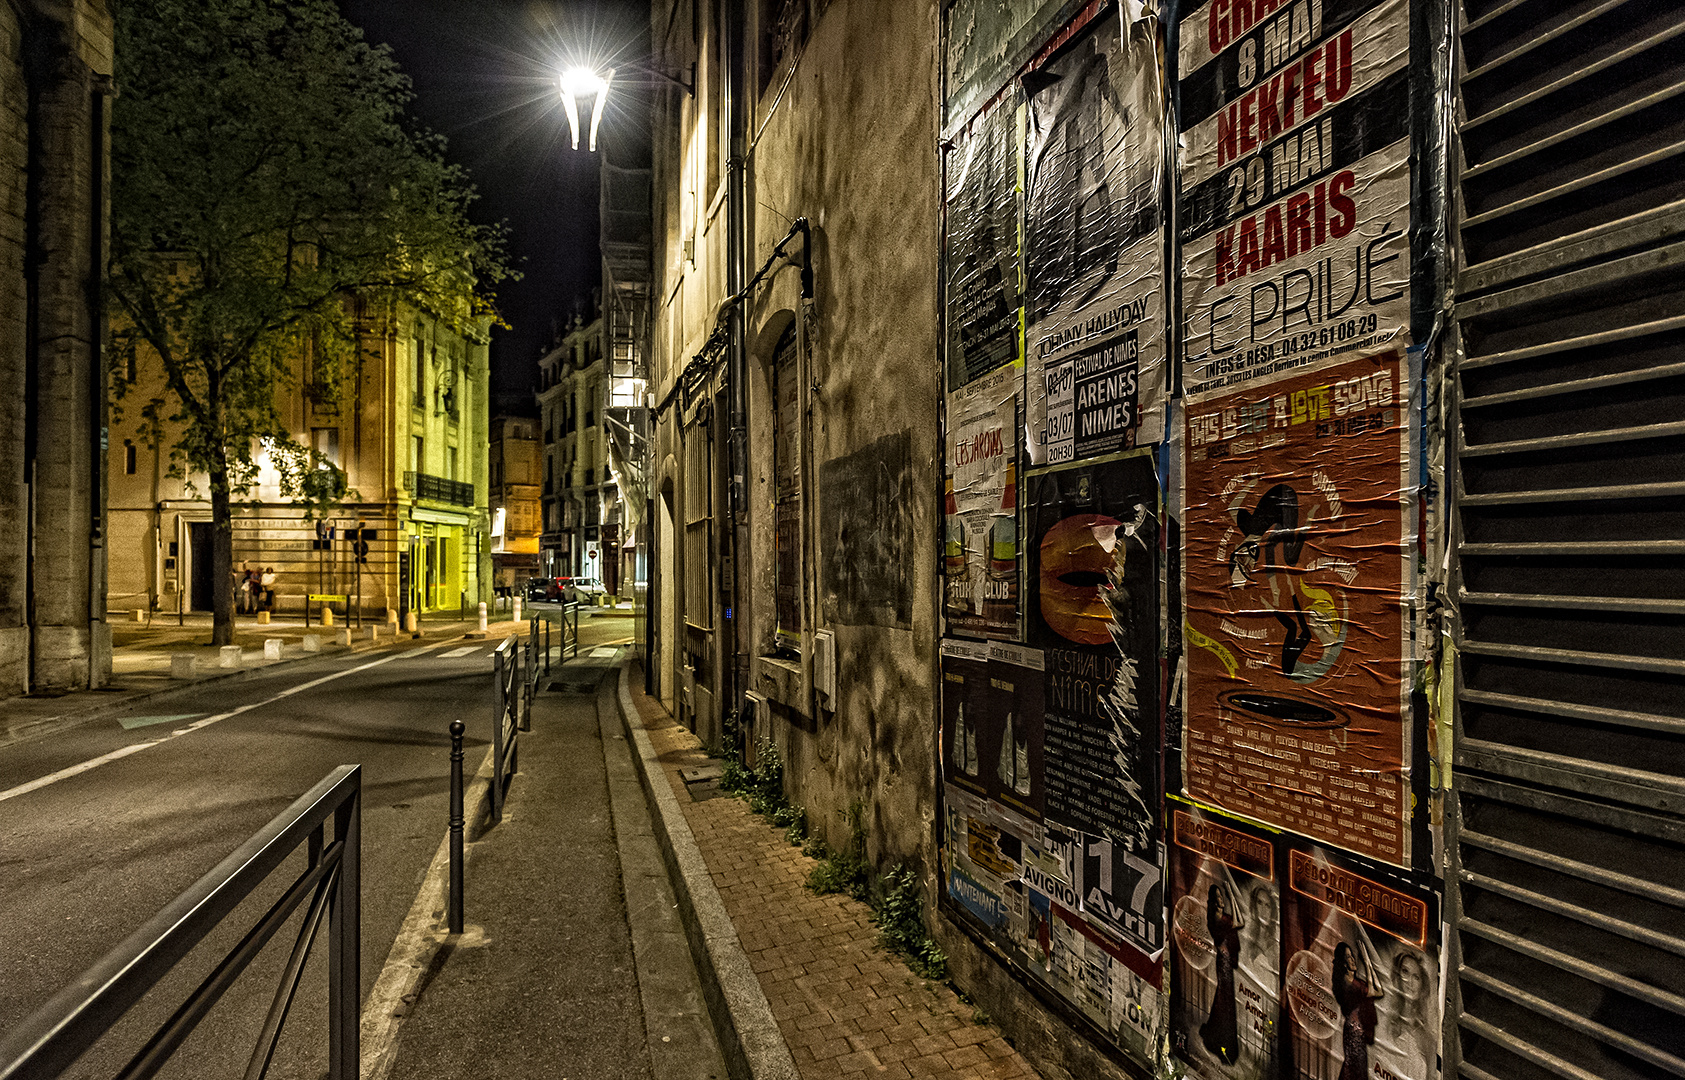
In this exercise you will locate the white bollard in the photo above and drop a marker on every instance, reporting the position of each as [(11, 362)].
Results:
[(228, 656), (137, 615), (327, 615), (311, 643), (345, 639), (392, 618), (374, 632), (181, 665), (515, 612), (272, 648), (482, 616)]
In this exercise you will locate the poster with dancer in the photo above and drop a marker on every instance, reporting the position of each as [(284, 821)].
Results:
[(1294, 564), (1225, 933), (1096, 371), (1093, 532), (1361, 978)]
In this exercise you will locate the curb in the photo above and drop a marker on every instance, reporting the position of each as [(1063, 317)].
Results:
[(750, 1041)]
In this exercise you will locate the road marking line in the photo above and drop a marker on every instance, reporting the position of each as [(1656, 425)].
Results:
[(131, 722), (124, 751), (464, 651), (598, 654)]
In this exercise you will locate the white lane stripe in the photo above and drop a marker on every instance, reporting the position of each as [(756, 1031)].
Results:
[(125, 751), (464, 651)]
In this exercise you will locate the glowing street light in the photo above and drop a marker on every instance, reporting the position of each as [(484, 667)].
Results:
[(580, 83)]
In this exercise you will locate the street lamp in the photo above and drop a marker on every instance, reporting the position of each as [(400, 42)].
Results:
[(582, 82)]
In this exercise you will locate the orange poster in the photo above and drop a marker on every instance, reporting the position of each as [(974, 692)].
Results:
[(1294, 567)]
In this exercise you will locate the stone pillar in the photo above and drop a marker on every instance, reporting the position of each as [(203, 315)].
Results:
[(66, 225), (14, 360)]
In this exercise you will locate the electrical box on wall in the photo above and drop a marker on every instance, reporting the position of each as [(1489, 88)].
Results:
[(825, 667)]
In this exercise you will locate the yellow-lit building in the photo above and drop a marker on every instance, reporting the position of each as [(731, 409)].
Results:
[(514, 499), (411, 432)]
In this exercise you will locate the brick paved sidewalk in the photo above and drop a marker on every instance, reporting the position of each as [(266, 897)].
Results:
[(846, 1006)]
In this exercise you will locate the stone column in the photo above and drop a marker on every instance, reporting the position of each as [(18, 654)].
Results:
[(67, 202)]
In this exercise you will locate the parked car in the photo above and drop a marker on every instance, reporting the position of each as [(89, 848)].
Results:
[(543, 588), (583, 590)]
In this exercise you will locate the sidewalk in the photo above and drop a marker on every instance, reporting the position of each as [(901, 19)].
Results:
[(843, 1006)]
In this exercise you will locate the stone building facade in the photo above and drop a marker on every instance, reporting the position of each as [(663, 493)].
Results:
[(580, 496), (55, 83), (411, 432), (515, 500)]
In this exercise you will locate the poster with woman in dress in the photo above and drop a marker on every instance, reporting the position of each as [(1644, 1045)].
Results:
[(1361, 983), (1226, 947)]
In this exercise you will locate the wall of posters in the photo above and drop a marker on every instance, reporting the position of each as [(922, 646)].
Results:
[(1361, 975), (1293, 564), (1295, 186), (980, 556), (1096, 379), (982, 209), (1225, 932)]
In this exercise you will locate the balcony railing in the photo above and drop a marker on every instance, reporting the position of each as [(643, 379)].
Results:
[(438, 489)]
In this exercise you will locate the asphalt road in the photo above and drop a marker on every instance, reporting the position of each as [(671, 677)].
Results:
[(88, 857)]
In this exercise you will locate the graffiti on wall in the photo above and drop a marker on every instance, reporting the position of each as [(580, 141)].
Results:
[(866, 528)]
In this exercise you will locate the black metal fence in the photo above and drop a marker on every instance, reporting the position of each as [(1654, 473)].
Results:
[(50, 1041), (512, 704)]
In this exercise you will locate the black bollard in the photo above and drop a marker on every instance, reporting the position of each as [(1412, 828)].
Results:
[(457, 728)]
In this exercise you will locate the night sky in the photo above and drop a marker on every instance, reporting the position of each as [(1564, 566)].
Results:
[(485, 77)]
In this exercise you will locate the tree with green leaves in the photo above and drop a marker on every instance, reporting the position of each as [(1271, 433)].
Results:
[(265, 182)]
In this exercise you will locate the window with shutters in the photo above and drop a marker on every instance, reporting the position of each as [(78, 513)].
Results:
[(699, 523)]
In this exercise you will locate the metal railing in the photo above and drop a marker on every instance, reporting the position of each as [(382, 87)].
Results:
[(506, 721), (439, 489), (51, 1040)]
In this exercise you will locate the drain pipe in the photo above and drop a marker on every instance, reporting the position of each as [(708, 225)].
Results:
[(737, 451)]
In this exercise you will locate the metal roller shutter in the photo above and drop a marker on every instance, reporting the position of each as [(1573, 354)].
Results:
[(1568, 823)]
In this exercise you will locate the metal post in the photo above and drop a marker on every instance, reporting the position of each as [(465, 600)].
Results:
[(344, 944), (457, 728), (500, 674)]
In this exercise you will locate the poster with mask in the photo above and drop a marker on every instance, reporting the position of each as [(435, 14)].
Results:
[(980, 551), (1361, 976), (1296, 502), (982, 244), (1295, 186), (1094, 563), (1094, 246), (1225, 971)]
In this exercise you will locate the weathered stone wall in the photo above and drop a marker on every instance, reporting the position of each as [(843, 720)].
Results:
[(55, 68), (850, 147)]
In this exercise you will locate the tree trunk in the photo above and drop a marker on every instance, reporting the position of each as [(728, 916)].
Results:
[(222, 560)]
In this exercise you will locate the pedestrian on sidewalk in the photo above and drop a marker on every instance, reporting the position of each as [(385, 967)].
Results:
[(243, 590), (267, 584)]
